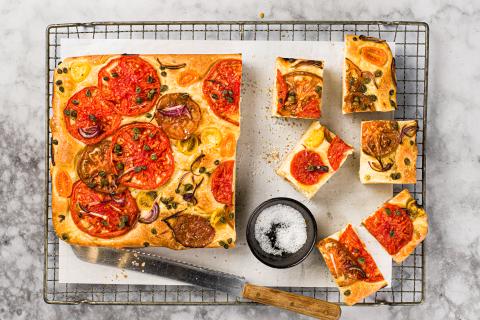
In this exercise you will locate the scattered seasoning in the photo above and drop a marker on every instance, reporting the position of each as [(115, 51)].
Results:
[(392, 233), (106, 78), (398, 212), (61, 217), (138, 89), (73, 114), (378, 73), (216, 162), (59, 71), (105, 223), (229, 240), (214, 96), (361, 260), (355, 39), (64, 236), (61, 89), (92, 117), (411, 142), (153, 156), (120, 166), (123, 222), (114, 75), (202, 169), (372, 97), (54, 141), (65, 70), (318, 90), (139, 100), (102, 173), (163, 88), (163, 74), (406, 161), (154, 231), (388, 211), (150, 79), (280, 229), (366, 80), (391, 92), (393, 104), (362, 88), (88, 93), (117, 149), (148, 115), (146, 244), (347, 293), (151, 94), (146, 147), (58, 82), (75, 102)]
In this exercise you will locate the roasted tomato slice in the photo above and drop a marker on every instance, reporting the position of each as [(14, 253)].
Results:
[(351, 241), (221, 88), (307, 167), (193, 231), (380, 138), (341, 263), (336, 152), (303, 96), (178, 115), (374, 55), (88, 117), (102, 215), (95, 168), (142, 156), (131, 84), (221, 182), (391, 226)]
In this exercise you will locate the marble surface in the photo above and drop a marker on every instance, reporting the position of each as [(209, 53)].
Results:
[(453, 246)]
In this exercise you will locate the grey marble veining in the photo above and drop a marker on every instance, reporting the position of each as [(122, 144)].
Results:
[(453, 149)]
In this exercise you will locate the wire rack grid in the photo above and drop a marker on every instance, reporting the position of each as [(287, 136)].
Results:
[(411, 54)]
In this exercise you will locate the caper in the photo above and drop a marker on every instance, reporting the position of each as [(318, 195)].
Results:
[(378, 73)]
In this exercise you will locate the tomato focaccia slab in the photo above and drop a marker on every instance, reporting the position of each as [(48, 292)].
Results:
[(297, 92), (351, 265), (144, 150), (316, 157), (399, 225), (389, 152), (369, 80)]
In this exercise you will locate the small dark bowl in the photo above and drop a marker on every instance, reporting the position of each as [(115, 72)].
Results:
[(290, 259)]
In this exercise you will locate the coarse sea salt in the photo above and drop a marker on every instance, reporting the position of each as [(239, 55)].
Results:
[(280, 230)]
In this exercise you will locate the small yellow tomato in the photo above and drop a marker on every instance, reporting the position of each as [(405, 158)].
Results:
[(188, 146), (79, 71), (315, 138), (211, 136), (145, 200)]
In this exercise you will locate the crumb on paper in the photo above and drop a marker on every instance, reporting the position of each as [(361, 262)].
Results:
[(261, 15), (272, 156)]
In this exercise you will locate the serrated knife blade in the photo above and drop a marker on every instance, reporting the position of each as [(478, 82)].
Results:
[(131, 259)]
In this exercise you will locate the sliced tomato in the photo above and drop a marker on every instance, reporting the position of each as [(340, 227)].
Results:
[(303, 96), (88, 117), (131, 84), (178, 115), (221, 182), (102, 215), (352, 242), (142, 156), (95, 169), (63, 183), (193, 231), (228, 146), (391, 226), (336, 152), (282, 90), (307, 167), (374, 55), (221, 88)]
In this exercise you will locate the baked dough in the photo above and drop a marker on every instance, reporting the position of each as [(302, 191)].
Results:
[(298, 88), (369, 80), (213, 143), (317, 139), (389, 152), (352, 289), (419, 220)]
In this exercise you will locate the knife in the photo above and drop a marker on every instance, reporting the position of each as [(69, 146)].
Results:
[(207, 278)]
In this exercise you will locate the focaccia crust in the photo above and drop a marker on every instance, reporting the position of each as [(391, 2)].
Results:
[(419, 219), (309, 141), (358, 290), (66, 149), (369, 81), (403, 158)]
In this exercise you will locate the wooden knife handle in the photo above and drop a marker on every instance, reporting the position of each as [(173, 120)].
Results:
[(293, 302)]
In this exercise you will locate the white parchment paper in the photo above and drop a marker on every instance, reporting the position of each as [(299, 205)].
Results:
[(264, 141)]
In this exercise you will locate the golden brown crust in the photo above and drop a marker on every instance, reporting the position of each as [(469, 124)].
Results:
[(419, 219), (399, 165), (358, 290), (289, 65), (313, 139), (82, 72), (369, 82)]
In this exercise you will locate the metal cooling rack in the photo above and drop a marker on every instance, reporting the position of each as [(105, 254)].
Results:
[(411, 54)]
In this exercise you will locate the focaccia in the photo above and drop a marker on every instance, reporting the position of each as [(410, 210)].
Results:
[(351, 265), (369, 80), (389, 152), (144, 150), (399, 225), (314, 160), (298, 88)]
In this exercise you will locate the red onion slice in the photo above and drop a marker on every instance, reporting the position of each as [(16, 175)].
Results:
[(89, 132), (151, 216), (176, 111), (119, 199)]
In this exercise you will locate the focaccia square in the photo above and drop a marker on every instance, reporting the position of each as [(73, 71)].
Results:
[(351, 265), (400, 225), (314, 160), (389, 152), (144, 150), (369, 80), (298, 88)]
